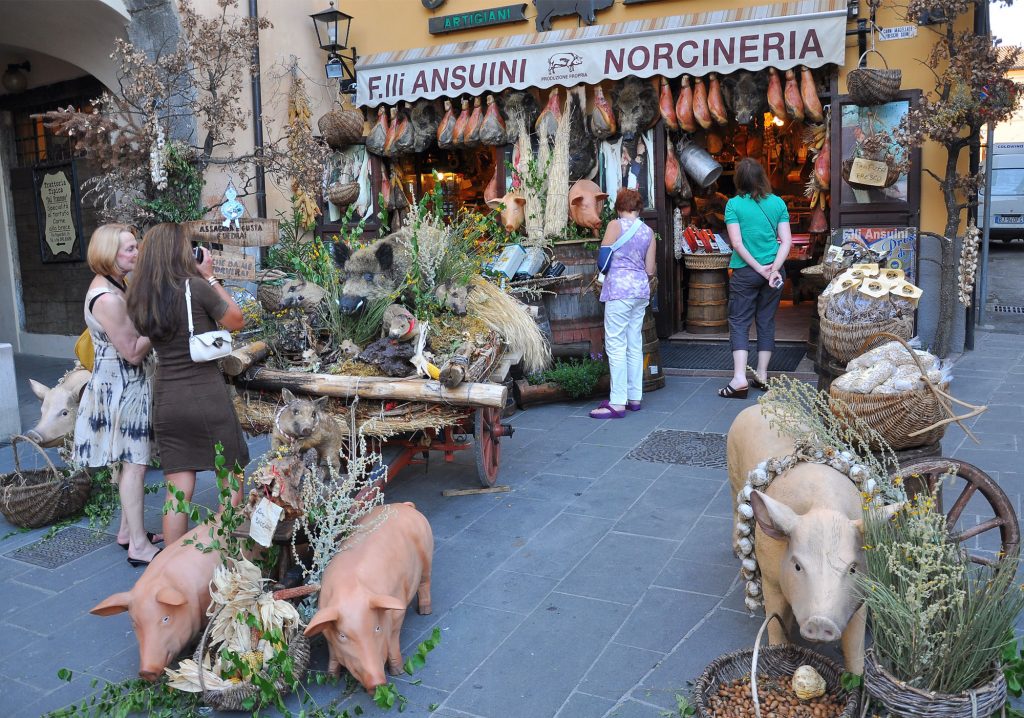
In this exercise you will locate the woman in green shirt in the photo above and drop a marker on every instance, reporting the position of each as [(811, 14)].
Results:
[(758, 225)]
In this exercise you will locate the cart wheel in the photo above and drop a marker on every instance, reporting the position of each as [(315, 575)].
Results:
[(970, 480), (488, 430)]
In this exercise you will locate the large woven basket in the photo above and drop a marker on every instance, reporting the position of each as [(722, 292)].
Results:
[(343, 194), (896, 416), (904, 700), (846, 341), (706, 261), (341, 127), (773, 662), (31, 499), (870, 86)]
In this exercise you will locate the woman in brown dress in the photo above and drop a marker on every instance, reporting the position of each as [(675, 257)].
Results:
[(192, 410)]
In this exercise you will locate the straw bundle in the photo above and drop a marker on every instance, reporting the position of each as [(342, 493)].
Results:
[(510, 319), (556, 213), (533, 208)]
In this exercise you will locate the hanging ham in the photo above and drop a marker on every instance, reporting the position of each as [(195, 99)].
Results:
[(602, 118), (446, 130), (550, 115), (404, 135), (775, 101), (676, 184), (666, 105), (823, 165), (389, 141), (716, 103), (379, 133), (684, 106), (459, 136), (794, 105), (492, 130), (700, 104), (476, 119), (809, 94)]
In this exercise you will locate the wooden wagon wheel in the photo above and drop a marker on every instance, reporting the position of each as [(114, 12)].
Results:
[(975, 481), (488, 430)]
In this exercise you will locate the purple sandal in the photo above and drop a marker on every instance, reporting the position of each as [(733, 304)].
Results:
[(610, 412), (633, 405)]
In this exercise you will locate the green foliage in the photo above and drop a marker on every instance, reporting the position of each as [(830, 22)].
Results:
[(576, 377), (384, 215), (683, 708), (132, 697), (306, 257), (182, 201), (850, 681)]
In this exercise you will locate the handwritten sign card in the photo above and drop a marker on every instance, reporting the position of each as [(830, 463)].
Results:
[(234, 266), (869, 172), (250, 232)]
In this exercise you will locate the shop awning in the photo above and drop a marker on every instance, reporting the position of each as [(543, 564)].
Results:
[(781, 35)]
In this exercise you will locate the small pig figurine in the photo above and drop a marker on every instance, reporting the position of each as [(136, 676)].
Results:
[(586, 202), (60, 407), (366, 588), (304, 424), (511, 208), (168, 603)]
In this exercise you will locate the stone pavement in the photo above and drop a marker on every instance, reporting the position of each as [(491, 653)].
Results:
[(600, 585)]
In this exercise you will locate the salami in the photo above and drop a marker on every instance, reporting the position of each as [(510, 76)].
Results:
[(716, 103), (684, 106), (446, 130), (666, 105), (700, 104), (775, 101), (791, 95)]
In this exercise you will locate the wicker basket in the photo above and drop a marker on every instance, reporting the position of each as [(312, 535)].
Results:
[(891, 176), (773, 662), (706, 261), (846, 341), (896, 416), (343, 194), (868, 86), (31, 499), (902, 699), (341, 127)]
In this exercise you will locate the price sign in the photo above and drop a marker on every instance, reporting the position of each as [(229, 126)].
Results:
[(234, 265), (869, 172)]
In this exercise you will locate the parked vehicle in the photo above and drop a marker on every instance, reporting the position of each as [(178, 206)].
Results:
[(1006, 214)]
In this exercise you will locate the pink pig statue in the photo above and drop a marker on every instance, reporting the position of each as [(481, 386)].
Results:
[(168, 603), (365, 591), (586, 202), (512, 213), (59, 409)]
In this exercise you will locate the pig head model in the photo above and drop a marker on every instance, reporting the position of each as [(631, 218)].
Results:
[(59, 409), (168, 603), (808, 540), (586, 202), (366, 588)]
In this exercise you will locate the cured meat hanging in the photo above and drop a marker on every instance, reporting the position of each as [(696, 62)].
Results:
[(379, 133), (700, 104), (684, 106), (550, 115), (459, 136), (676, 184), (404, 135), (809, 94), (794, 105), (716, 104), (492, 130), (602, 118), (472, 134), (446, 130), (775, 102), (666, 105)]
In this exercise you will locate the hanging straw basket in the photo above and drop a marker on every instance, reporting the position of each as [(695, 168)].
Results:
[(773, 662), (905, 700), (846, 341), (908, 419), (870, 86), (343, 193), (230, 699), (341, 127), (706, 261), (31, 499)]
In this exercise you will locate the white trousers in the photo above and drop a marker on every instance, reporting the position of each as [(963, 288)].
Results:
[(623, 343)]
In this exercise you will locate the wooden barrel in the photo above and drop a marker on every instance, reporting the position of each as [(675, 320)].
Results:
[(654, 372), (707, 301), (576, 314)]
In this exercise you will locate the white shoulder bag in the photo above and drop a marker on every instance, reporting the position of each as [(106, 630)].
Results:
[(208, 345)]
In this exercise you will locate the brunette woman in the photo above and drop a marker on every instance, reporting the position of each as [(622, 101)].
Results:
[(192, 410)]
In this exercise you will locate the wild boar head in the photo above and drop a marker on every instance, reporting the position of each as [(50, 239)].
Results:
[(636, 106)]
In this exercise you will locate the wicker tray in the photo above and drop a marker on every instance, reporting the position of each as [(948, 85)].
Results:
[(846, 341), (902, 699), (31, 499), (706, 261)]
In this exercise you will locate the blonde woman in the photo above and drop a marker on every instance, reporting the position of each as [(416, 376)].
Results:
[(114, 425)]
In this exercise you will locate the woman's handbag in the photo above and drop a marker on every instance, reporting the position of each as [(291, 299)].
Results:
[(604, 254), (208, 345)]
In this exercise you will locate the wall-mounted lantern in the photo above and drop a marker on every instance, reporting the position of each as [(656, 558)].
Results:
[(15, 78), (332, 28)]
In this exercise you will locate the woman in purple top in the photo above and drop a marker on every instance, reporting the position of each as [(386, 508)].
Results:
[(625, 294)]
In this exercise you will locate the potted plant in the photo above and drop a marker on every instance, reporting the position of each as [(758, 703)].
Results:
[(939, 622), (564, 381)]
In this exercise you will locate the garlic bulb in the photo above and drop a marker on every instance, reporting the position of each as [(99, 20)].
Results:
[(808, 683)]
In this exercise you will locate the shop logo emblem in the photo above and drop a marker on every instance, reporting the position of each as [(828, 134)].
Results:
[(568, 61)]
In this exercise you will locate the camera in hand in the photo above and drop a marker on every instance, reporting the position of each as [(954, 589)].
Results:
[(197, 252)]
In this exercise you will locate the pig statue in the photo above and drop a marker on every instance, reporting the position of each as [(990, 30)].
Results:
[(585, 9), (60, 407), (168, 603), (366, 588), (303, 424), (510, 208), (373, 272), (586, 202), (808, 540)]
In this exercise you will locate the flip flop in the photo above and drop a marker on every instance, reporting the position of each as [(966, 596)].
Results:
[(758, 384), (633, 405), (610, 412), (730, 392), (150, 536)]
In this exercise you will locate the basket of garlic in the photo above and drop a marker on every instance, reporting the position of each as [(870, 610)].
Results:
[(899, 391), (248, 631)]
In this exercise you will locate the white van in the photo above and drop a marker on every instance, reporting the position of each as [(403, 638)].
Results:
[(1007, 212)]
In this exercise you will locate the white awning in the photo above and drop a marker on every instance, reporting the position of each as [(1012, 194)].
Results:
[(781, 35)]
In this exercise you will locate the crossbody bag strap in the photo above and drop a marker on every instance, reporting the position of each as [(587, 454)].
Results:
[(628, 234), (775, 230), (188, 308)]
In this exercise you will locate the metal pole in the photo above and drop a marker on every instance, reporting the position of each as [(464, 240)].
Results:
[(257, 118), (982, 299)]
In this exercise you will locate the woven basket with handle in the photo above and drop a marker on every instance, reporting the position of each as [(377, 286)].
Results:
[(343, 193), (341, 126), (31, 499), (872, 86), (846, 341)]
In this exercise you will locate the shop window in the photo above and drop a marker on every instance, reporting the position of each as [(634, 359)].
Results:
[(463, 175), (37, 144)]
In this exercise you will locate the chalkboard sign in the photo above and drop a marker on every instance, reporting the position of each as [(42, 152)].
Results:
[(58, 212)]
